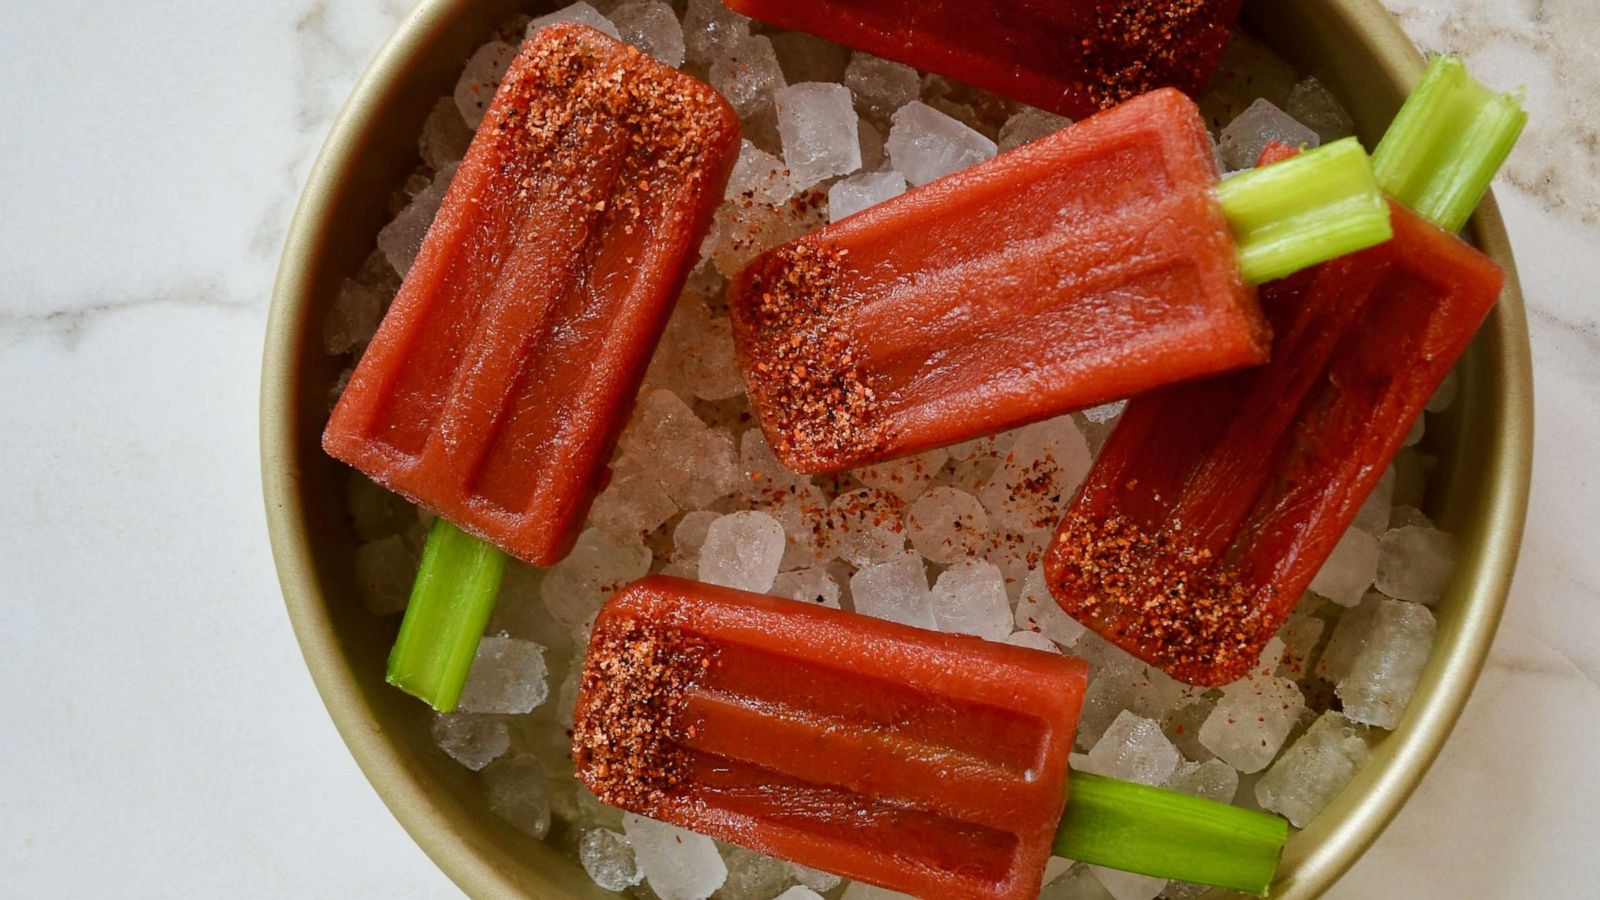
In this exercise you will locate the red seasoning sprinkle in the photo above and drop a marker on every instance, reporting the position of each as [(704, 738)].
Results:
[(1174, 602), (628, 730), (1139, 46)]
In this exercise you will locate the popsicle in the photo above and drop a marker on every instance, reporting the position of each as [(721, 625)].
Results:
[(1213, 504), (1090, 265), (499, 381), (929, 763), (1069, 56)]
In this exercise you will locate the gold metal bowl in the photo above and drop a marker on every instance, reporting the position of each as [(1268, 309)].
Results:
[(1479, 491)]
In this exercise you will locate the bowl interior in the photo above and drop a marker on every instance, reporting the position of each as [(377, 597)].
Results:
[(1478, 491)]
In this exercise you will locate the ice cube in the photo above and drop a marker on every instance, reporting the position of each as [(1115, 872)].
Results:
[(471, 740), (799, 892), (1446, 393), (1314, 769), (1317, 109), (377, 511), (1373, 517), (507, 677), (445, 136), (970, 598), (802, 510), (905, 477), (1262, 123), (813, 585), (1385, 671), (1046, 463), (1209, 780), (1419, 426), (760, 177), (753, 876), (600, 563), (1076, 883), (1349, 634), (947, 525), (763, 475), (581, 13), (818, 128), (1033, 640), (1415, 563), (385, 569), (896, 590), (1300, 634), (863, 526), (816, 879), (805, 57), (1028, 126), (742, 550), (679, 864), (352, 318), (1251, 722), (653, 27), (747, 74), (1127, 885), (880, 86), (401, 239), (479, 80), (711, 29), (1134, 749), (632, 506), (925, 144), (1349, 569), (849, 196), (1120, 682), (690, 534), (693, 461), (608, 858), (519, 792), (1039, 612), (1105, 412)]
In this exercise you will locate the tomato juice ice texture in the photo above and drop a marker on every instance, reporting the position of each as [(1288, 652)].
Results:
[(498, 382)]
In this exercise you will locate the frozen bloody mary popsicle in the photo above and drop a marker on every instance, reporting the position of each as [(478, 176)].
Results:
[(497, 384), (929, 763), (1069, 56), (1213, 504), (1090, 265)]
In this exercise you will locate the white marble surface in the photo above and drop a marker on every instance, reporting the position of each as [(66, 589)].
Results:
[(160, 735)]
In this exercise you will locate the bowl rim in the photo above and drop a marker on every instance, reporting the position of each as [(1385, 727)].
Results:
[(1429, 719)]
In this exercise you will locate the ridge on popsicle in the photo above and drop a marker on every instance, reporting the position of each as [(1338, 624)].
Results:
[(1230, 493)]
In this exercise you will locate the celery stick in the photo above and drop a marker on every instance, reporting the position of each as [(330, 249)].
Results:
[(1169, 835), (1314, 207), (1446, 143), (449, 607)]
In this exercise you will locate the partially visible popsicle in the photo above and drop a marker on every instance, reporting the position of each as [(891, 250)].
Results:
[(1073, 57), (1213, 504), (499, 381), (1090, 265), (929, 763)]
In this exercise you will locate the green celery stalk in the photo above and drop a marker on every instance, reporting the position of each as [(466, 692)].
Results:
[(1317, 206), (1446, 143), (1166, 834), (449, 607)]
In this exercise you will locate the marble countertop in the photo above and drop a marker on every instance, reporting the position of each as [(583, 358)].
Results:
[(161, 735)]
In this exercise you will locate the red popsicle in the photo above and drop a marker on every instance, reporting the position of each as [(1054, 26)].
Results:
[(1213, 504), (929, 763), (1073, 57), (1093, 264), (932, 762), (498, 382)]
